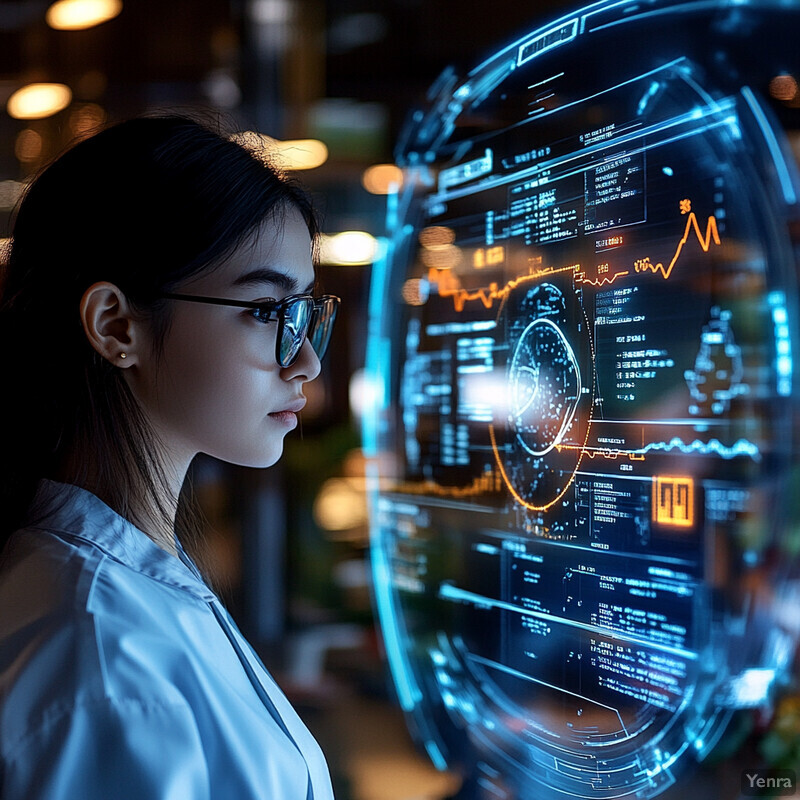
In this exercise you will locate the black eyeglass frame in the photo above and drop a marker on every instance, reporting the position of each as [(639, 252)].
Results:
[(277, 306)]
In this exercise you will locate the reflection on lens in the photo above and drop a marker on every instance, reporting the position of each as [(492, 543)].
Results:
[(296, 318), (322, 321)]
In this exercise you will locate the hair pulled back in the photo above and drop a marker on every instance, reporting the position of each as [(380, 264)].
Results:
[(144, 204)]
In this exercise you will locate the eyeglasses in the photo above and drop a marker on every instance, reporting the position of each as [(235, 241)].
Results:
[(299, 317)]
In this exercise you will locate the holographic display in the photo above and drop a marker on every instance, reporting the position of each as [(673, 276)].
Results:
[(583, 343)]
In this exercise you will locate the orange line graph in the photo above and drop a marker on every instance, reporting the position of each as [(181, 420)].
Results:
[(449, 284), (490, 481), (580, 277), (644, 264), (595, 452)]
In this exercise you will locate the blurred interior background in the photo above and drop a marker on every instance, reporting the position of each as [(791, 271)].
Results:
[(289, 545)]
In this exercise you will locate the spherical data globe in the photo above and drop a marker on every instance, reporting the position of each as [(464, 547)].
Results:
[(539, 444), (544, 387)]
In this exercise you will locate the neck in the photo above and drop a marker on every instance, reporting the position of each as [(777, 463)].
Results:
[(150, 503)]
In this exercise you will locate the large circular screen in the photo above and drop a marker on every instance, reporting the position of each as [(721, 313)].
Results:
[(584, 338)]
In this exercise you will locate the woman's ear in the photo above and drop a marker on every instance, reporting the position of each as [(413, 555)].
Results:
[(109, 323)]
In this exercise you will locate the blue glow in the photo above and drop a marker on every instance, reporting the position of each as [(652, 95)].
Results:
[(377, 360), (639, 136), (454, 176), (752, 687), (486, 83), (554, 37), (649, 94), (784, 364), (742, 447), (588, 407), (435, 754), (408, 693), (454, 593), (779, 161)]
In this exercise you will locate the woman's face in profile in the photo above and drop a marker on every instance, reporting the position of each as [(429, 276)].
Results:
[(217, 387)]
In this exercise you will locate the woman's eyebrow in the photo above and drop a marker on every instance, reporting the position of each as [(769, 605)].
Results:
[(267, 275)]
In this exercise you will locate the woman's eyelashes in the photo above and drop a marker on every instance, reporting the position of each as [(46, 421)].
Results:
[(262, 314)]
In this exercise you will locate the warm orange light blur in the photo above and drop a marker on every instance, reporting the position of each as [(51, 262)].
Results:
[(341, 504), (301, 153), (38, 100), (382, 178), (414, 293), (438, 251), (783, 87), (86, 119), (75, 15), (436, 236), (289, 154), (28, 146), (445, 256), (486, 257), (350, 248)]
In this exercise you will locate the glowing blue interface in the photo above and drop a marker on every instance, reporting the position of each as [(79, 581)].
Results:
[(583, 342)]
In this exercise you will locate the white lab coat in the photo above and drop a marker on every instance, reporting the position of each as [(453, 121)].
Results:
[(121, 675)]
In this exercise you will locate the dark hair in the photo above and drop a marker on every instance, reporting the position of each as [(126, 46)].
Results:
[(144, 204)]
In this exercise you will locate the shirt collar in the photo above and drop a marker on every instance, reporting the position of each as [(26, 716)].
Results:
[(75, 513)]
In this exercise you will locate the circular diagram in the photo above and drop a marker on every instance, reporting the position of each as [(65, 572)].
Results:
[(539, 444), (544, 385)]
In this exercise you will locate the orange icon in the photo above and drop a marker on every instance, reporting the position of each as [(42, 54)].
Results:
[(673, 501)]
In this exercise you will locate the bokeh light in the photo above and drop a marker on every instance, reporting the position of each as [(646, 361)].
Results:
[(28, 146), (288, 154), (348, 248), (382, 178), (39, 100), (783, 87), (74, 15)]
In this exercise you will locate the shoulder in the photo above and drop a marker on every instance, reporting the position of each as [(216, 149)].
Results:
[(78, 630)]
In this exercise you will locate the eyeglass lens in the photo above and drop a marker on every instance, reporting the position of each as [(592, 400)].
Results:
[(322, 320), (304, 318), (296, 319)]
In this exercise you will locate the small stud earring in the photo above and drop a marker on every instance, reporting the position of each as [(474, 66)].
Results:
[(123, 355)]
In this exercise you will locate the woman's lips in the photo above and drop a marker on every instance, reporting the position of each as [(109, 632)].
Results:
[(288, 415), (287, 418)]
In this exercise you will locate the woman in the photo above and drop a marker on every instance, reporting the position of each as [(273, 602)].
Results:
[(156, 304)]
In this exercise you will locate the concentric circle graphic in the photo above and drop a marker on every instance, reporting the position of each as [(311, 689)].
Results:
[(540, 444), (544, 387)]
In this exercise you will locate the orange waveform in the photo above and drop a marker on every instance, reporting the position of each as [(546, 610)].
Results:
[(580, 277), (644, 264), (594, 452), (490, 481), (450, 286)]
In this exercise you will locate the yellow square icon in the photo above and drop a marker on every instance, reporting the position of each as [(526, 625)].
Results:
[(673, 501)]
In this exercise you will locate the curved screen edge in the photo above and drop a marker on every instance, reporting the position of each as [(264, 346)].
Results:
[(582, 339)]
